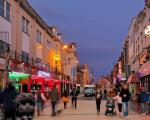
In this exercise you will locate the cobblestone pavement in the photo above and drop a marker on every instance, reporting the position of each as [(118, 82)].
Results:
[(86, 111)]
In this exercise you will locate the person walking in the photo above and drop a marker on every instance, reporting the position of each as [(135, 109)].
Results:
[(125, 95), (142, 100), (39, 102), (74, 97), (119, 102), (54, 97), (98, 97), (65, 99), (111, 93), (105, 93), (9, 95)]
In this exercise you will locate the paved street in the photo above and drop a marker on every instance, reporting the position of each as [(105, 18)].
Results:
[(86, 111)]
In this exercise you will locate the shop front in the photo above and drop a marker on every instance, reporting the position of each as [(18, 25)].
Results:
[(20, 81), (144, 74), (2, 73)]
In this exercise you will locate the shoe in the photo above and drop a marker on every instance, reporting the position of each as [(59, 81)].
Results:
[(143, 114)]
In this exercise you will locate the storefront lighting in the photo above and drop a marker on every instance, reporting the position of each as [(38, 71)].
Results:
[(147, 31), (16, 76)]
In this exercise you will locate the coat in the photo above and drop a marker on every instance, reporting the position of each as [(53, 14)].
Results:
[(54, 97)]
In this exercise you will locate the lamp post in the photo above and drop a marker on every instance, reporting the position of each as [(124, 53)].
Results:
[(64, 48)]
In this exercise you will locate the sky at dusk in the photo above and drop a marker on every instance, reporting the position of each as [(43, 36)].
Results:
[(99, 27)]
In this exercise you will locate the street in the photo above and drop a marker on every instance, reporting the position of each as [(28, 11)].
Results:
[(86, 111)]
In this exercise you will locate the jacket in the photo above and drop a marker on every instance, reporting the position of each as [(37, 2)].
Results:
[(9, 95), (98, 96), (143, 97), (54, 95), (125, 94)]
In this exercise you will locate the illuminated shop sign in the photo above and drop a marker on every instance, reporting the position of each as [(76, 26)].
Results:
[(43, 74), (147, 31)]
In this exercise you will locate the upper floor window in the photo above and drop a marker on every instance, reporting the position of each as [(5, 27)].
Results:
[(2, 8), (8, 10), (38, 36), (25, 57), (25, 25)]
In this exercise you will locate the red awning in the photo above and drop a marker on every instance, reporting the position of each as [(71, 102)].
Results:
[(145, 69)]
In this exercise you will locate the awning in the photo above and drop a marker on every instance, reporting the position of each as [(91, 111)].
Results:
[(130, 79), (145, 69)]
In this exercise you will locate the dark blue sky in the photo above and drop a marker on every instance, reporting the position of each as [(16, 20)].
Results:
[(99, 27)]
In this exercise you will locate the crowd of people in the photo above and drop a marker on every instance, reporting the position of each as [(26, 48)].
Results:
[(121, 96), (14, 104)]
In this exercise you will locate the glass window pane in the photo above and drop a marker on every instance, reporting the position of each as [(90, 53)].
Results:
[(23, 24), (27, 25), (8, 10), (2, 8)]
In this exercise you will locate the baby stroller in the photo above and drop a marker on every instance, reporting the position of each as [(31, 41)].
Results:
[(110, 107), (25, 106)]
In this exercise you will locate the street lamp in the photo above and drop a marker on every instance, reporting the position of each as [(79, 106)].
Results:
[(64, 48)]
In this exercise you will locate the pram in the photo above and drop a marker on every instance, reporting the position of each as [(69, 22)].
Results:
[(110, 107)]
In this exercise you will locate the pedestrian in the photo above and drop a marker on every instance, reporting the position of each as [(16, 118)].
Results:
[(74, 97), (65, 99), (125, 95), (111, 93), (105, 93), (142, 100), (54, 97), (137, 99), (9, 95), (119, 102), (98, 97), (39, 101)]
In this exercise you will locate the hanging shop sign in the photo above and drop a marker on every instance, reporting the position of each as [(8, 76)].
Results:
[(2, 63), (147, 31)]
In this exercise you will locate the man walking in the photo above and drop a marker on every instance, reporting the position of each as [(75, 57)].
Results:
[(125, 95), (143, 100), (74, 97), (54, 97), (9, 95)]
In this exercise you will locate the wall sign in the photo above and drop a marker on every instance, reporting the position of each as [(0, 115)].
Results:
[(147, 31)]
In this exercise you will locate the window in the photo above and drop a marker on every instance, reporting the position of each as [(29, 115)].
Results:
[(25, 57), (25, 25), (38, 36), (8, 10), (2, 8), (48, 44)]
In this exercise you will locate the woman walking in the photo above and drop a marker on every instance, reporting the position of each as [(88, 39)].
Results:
[(119, 102), (65, 99), (98, 97)]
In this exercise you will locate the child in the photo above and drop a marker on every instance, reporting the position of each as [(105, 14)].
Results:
[(65, 99), (119, 101)]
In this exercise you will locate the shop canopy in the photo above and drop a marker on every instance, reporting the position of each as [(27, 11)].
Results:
[(144, 70), (18, 76)]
